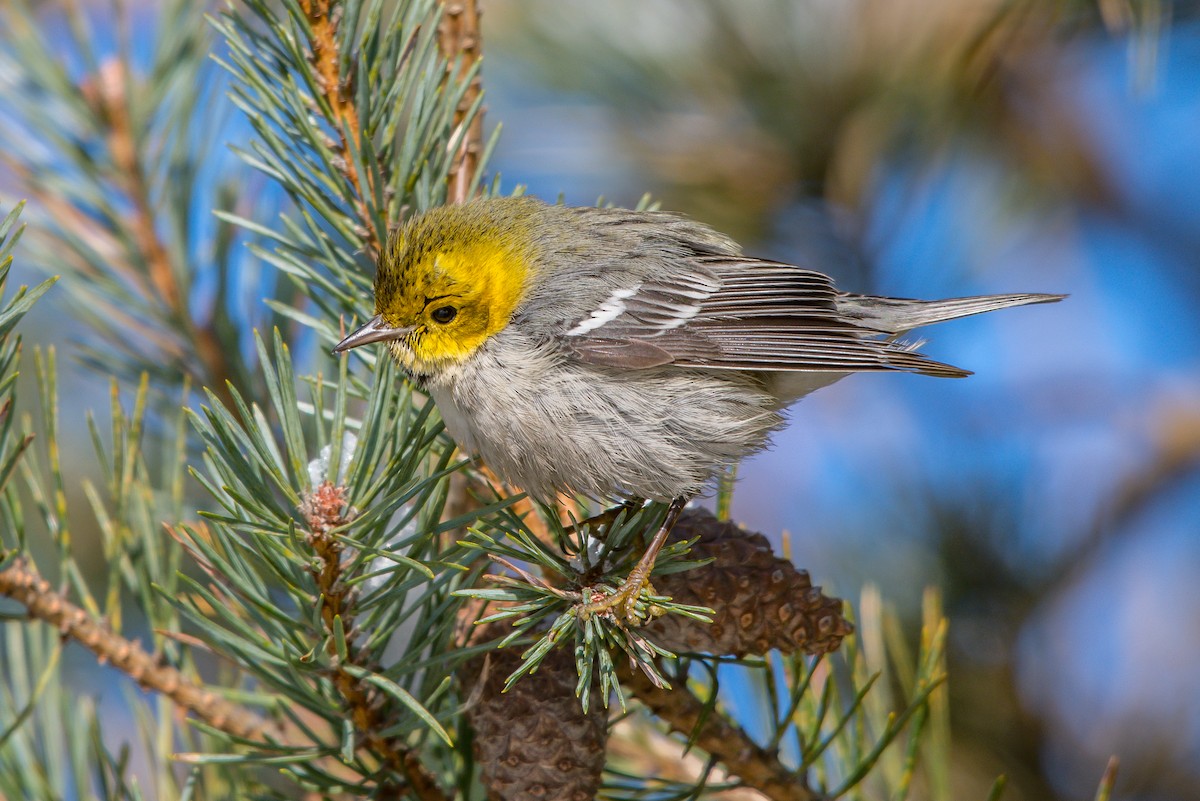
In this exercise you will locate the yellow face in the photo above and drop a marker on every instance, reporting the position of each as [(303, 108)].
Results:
[(454, 276)]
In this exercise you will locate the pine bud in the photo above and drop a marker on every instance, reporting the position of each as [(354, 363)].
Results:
[(761, 602), (534, 741)]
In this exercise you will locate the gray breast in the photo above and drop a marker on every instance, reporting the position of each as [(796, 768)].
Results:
[(550, 425)]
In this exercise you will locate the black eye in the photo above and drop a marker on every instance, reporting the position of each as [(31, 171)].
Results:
[(444, 314)]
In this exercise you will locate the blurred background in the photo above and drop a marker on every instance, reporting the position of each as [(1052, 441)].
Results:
[(935, 148), (915, 148)]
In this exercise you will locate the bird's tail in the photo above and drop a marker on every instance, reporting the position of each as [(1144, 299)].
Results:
[(897, 315)]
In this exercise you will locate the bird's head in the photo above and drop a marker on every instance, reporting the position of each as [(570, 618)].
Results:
[(448, 280)]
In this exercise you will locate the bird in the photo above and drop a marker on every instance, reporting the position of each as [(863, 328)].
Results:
[(621, 354)]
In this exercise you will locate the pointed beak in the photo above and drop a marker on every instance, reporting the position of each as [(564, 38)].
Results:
[(375, 330)]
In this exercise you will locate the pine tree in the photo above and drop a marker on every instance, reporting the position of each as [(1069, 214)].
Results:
[(317, 594)]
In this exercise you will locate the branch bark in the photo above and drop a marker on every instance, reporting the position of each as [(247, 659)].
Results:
[(729, 743), (23, 584)]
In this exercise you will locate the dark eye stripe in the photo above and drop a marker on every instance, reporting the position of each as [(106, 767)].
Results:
[(439, 297)]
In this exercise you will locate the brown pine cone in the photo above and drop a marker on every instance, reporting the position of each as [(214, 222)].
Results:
[(761, 602), (534, 741)]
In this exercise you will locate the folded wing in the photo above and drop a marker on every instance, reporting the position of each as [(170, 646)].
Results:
[(735, 313)]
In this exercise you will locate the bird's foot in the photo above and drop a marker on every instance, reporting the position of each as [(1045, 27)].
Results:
[(623, 603), (626, 598)]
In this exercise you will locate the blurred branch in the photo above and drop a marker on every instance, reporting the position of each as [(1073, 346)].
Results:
[(118, 160), (459, 42), (1176, 441), (107, 92), (23, 584), (774, 102), (1175, 457)]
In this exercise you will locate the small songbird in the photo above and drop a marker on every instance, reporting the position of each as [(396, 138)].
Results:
[(622, 354)]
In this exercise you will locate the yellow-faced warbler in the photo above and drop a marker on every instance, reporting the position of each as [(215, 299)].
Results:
[(619, 353)]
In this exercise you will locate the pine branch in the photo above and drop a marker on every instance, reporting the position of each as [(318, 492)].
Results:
[(23, 584), (355, 113), (325, 510), (324, 18), (122, 179), (639, 747), (322, 553)]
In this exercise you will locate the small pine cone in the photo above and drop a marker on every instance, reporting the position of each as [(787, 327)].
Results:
[(761, 602), (534, 741)]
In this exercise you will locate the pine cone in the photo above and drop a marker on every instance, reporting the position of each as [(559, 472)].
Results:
[(534, 741), (761, 602)]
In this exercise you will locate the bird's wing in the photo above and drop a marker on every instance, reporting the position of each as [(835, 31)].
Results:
[(736, 313)]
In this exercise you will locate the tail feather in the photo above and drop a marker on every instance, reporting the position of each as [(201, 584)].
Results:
[(897, 315)]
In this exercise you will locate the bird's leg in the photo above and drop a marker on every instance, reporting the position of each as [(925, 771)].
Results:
[(627, 595)]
